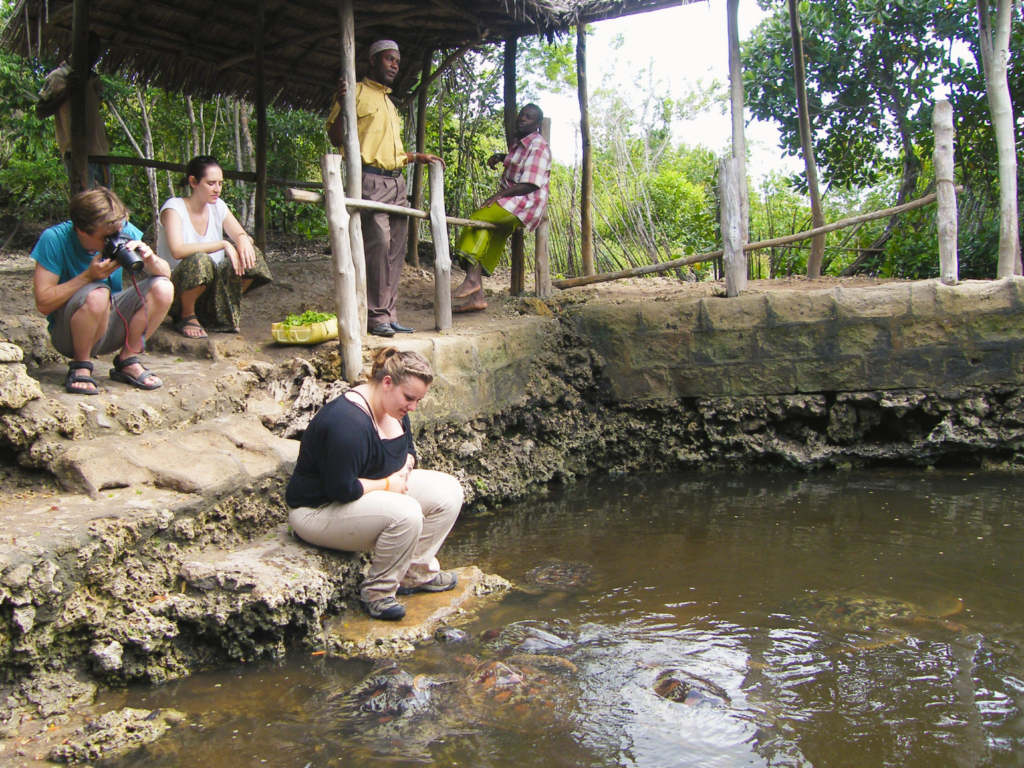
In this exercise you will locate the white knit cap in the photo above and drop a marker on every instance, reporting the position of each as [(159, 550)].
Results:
[(383, 45)]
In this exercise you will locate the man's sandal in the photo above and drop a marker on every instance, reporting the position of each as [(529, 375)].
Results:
[(76, 378), (191, 321), (117, 374)]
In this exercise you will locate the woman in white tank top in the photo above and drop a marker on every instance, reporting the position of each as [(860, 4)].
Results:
[(210, 272)]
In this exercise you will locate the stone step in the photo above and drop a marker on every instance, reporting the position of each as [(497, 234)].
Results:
[(215, 454)]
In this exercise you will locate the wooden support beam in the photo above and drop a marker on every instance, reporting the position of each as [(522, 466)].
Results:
[(260, 108), (942, 124), (518, 285), (665, 266), (161, 165), (736, 99), (509, 69), (442, 255), (350, 328), (735, 260), (80, 66), (350, 142), (587, 170), (308, 196), (413, 255), (541, 265), (806, 142)]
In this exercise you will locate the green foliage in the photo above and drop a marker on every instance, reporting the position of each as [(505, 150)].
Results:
[(307, 318)]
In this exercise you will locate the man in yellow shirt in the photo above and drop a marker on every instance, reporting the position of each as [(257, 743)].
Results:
[(385, 236)]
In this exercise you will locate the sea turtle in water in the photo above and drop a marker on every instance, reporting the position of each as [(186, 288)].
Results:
[(387, 694), (559, 576), (391, 712), (517, 696), (885, 619), (525, 637), (686, 688)]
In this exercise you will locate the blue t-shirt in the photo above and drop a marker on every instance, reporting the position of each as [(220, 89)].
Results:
[(60, 252)]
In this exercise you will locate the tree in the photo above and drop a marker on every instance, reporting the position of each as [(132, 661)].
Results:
[(995, 53)]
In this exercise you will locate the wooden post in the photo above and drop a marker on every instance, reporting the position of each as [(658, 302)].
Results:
[(260, 104), (817, 217), (541, 266), (350, 327), (736, 97), (80, 65), (442, 255), (511, 43), (734, 257), (353, 158), (942, 123), (587, 170), (413, 256)]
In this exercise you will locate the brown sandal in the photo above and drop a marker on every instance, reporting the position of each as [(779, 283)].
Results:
[(191, 321)]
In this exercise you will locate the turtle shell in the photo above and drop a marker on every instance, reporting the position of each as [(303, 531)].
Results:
[(686, 688), (525, 637), (868, 612), (387, 693), (516, 697), (559, 575)]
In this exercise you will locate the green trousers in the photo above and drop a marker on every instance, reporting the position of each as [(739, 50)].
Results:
[(485, 246)]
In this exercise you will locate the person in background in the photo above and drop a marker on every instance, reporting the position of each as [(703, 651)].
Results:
[(356, 486), (210, 272), (385, 236), (80, 292), (55, 101), (521, 201)]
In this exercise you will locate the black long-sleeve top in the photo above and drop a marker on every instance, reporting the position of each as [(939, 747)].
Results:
[(341, 445)]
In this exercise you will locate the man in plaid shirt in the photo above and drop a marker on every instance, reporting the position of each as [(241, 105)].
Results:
[(521, 201)]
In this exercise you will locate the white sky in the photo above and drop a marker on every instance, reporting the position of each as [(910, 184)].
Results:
[(683, 44)]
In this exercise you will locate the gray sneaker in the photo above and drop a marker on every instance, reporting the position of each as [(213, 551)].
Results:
[(444, 581), (387, 608)]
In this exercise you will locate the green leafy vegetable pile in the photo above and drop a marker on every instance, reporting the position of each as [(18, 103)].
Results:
[(307, 318)]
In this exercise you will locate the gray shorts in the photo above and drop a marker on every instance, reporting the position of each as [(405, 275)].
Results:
[(125, 305)]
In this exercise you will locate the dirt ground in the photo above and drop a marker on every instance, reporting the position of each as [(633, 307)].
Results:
[(303, 280)]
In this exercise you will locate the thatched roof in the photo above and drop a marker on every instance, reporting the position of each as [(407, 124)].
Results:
[(204, 48)]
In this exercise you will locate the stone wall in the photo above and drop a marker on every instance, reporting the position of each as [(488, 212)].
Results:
[(921, 335)]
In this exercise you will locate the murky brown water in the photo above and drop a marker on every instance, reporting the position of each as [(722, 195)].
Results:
[(827, 607)]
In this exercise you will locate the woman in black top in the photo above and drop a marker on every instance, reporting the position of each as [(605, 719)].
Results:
[(355, 486)]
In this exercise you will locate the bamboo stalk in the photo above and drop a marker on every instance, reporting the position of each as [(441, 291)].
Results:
[(575, 282)]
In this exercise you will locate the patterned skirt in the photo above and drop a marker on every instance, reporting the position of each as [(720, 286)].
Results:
[(219, 307)]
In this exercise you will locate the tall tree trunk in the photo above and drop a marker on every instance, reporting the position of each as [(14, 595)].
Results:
[(995, 54), (244, 212), (587, 168), (736, 98), (191, 112), (252, 165), (817, 217), (147, 143), (146, 154)]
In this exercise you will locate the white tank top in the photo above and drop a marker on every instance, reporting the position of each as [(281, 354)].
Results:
[(214, 229)]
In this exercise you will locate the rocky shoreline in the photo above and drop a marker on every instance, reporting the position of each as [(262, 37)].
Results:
[(147, 569)]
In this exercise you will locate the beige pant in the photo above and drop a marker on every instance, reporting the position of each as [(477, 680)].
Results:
[(405, 531)]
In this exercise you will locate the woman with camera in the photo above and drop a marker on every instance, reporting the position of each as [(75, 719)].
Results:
[(210, 272), (355, 487)]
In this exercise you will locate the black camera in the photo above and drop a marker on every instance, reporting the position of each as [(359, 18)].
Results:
[(116, 247)]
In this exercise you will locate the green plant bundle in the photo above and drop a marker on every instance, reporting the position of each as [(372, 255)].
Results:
[(307, 318)]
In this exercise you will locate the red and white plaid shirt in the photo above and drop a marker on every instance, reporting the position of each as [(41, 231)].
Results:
[(528, 162)]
